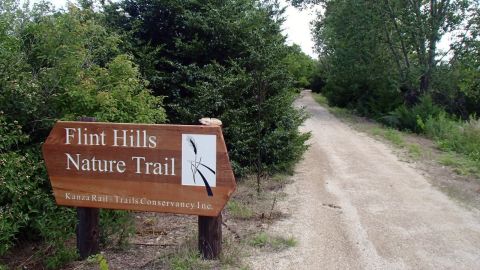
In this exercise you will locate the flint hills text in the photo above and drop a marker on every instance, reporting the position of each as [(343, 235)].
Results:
[(130, 138)]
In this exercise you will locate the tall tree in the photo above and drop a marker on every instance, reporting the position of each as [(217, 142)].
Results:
[(221, 59)]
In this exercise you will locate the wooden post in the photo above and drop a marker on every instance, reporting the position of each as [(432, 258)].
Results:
[(210, 228), (88, 233), (210, 236)]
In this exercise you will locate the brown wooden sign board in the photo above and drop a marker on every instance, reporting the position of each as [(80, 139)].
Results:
[(159, 168)]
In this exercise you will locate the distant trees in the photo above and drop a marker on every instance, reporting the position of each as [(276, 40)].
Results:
[(301, 66), (378, 55), (381, 59)]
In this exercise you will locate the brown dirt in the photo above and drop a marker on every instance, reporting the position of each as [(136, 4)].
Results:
[(465, 189)]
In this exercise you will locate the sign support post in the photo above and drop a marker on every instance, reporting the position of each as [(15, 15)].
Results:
[(210, 228), (88, 232), (210, 236)]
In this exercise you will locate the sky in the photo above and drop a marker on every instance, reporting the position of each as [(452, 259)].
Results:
[(296, 27)]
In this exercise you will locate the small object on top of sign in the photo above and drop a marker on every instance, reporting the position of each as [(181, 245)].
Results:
[(210, 121)]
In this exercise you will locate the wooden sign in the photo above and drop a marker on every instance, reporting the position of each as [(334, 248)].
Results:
[(160, 168)]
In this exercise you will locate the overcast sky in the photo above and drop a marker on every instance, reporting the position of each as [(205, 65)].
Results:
[(297, 27)]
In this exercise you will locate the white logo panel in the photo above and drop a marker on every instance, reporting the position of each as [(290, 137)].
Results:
[(199, 160)]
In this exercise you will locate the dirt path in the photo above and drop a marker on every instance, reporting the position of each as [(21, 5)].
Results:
[(354, 205)]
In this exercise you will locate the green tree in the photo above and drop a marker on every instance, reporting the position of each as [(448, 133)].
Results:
[(300, 66), (398, 37), (221, 59), (56, 66)]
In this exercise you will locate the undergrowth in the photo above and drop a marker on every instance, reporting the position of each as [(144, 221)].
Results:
[(273, 242), (459, 140)]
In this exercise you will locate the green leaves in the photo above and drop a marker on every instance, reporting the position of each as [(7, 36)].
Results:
[(56, 66), (224, 59)]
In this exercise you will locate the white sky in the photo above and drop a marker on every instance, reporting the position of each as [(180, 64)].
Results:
[(297, 27)]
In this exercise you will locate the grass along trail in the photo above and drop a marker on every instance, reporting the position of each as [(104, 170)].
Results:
[(355, 205)]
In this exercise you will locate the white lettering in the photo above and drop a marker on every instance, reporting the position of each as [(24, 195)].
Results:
[(76, 164)]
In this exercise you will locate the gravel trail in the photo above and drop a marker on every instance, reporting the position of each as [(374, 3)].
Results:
[(355, 205)]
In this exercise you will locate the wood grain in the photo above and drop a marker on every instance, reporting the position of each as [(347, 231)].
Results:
[(130, 190)]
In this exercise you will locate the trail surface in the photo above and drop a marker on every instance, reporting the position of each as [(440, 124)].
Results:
[(354, 205)]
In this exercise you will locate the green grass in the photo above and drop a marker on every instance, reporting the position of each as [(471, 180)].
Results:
[(98, 260), (187, 256), (460, 164), (277, 243), (184, 257), (320, 99), (187, 260), (415, 151), (337, 111), (394, 136), (239, 210)]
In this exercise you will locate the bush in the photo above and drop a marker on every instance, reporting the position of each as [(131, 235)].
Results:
[(59, 66), (413, 118), (222, 59), (317, 83), (456, 136), (442, 127)]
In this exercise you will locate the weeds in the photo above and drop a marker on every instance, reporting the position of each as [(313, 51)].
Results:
[(394, 137), (100, 260), (415, 151), (320, 99), (239, 210), (460, 164), (186, 257), (276, 243)]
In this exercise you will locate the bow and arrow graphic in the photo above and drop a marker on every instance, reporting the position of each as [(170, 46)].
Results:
[(196, 166)]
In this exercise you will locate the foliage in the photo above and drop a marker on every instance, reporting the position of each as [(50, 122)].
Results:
[(413, 118), (455, 136), (317, 80), (263, 240), (386, 55), (357, 70), (100, 260), (239, 210), (122, 62), (222, 59), (384, 62), (300, 66), (56, 66)]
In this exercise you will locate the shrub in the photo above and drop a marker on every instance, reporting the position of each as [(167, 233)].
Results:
[(413, 118), (65, 65), (441, 127), (223, 59), (452, 135)]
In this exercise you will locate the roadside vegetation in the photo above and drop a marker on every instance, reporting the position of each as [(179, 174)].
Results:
[(460, 162), (140, 62), (385, 63)]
